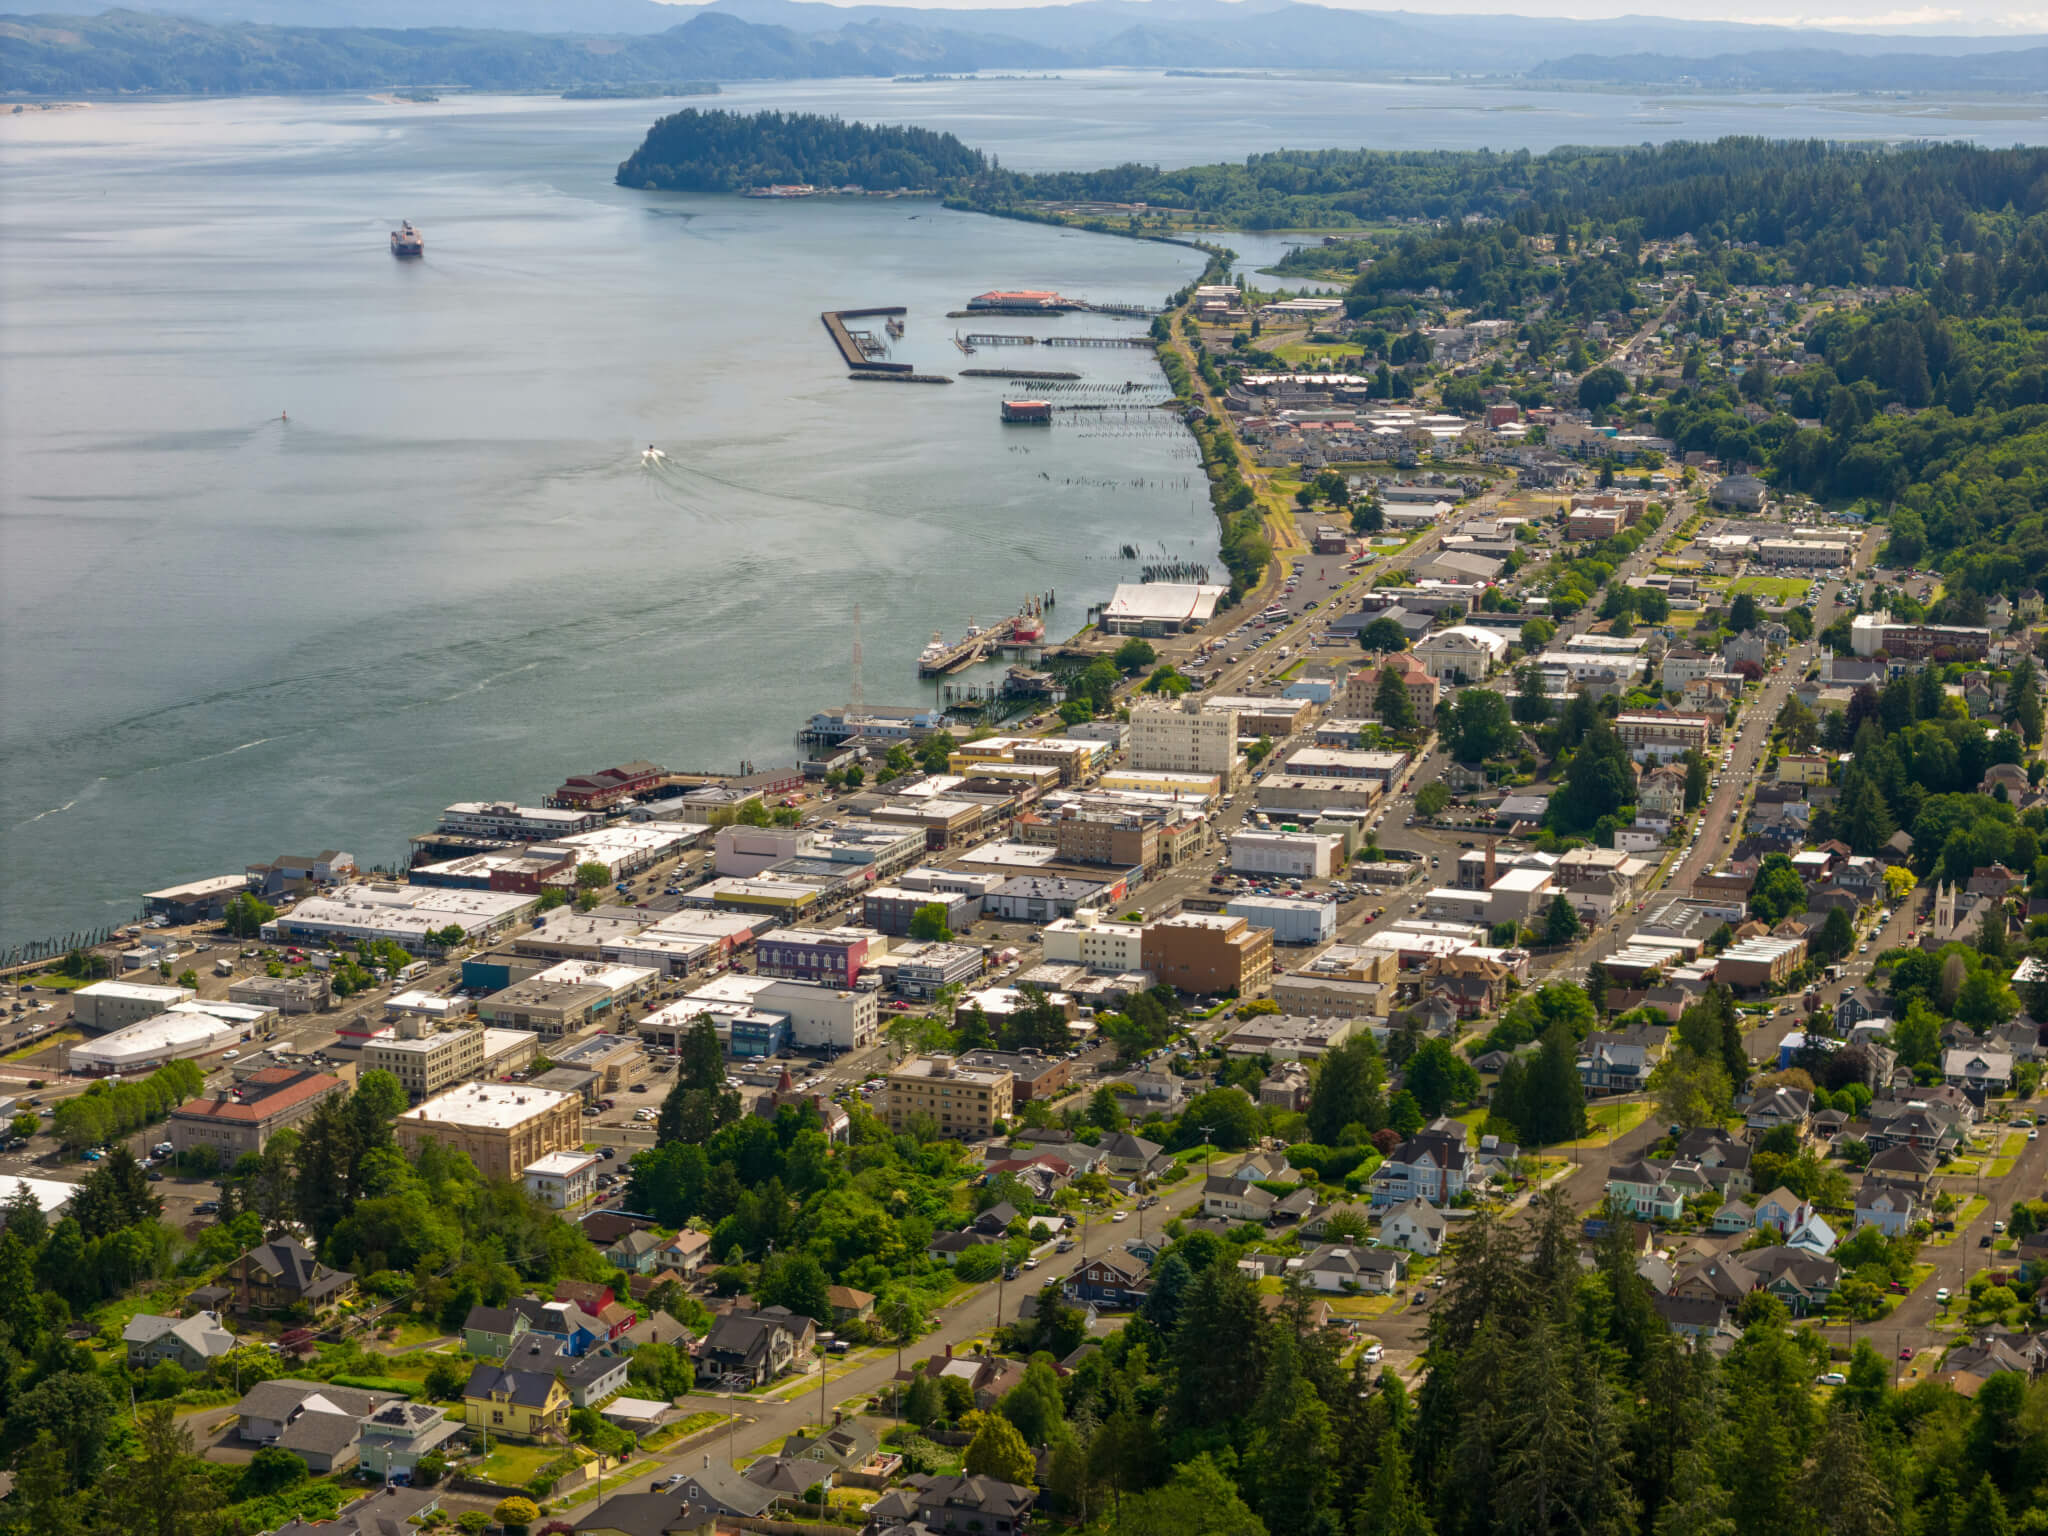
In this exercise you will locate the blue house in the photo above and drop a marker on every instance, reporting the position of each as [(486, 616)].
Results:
[(575, 1330)]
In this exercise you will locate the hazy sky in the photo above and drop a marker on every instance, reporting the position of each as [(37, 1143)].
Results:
[(1956, 16)]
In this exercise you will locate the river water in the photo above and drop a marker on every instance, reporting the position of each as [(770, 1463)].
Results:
[(451, 574)]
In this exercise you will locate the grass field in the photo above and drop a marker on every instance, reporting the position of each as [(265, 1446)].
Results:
[(57, 981), (513, 1464), (1775, 589), (1971, 1210), (1605, 1122), (2009, 1149)]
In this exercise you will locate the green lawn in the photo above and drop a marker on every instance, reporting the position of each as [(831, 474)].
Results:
[(1363, 1306), (1606, 1122), (1971, 1210), (57, 981), (2009, 1149), (513, 1464), (1779, 590)]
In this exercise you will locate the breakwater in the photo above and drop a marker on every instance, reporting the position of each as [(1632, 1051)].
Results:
[(859, 348)]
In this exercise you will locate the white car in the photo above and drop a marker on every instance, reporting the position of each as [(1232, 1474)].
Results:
[(1374, 1353)]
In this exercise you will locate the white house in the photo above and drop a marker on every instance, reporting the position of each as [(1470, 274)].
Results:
[(1415, 1225), (1891, 1208)]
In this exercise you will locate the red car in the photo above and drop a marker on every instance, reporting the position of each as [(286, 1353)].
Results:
[(1906, 1353)]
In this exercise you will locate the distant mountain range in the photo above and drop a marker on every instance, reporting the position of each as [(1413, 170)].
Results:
[(215, 46)]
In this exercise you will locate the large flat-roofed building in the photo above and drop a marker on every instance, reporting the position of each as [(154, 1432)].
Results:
[(568, 997), (526, 870), (823, 1018), (832, 956), (107, 1005), (1041, 898), (1086, 938), (425, 1060), (310, 993), (1290, 920), (1210, 952), (1285, 1037), (1107, 837), (1336, 763), (1306, 855), (627, 849), (963, 1101), (619, 1061), (924, 970), (1871, 633), (1312, 794), (566, 934), (501, 1126), (1256, 717), (175, 1035), (1183, 738), (196, 901), (1661, 737), (1812, 554), (405, 914), (1159, 607), (241, 1120), (1310, 994), (502, 822), (1761, 964), (890, 908)]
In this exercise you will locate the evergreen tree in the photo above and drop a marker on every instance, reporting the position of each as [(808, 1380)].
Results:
[(164, 1489), (1396, 710), (698, 1103), (1391, 1506), (1561, 923), (1348, 1090)]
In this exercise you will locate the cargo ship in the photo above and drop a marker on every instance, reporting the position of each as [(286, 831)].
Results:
[(407, 241)]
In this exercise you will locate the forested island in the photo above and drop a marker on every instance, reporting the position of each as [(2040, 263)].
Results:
[(700, 151)]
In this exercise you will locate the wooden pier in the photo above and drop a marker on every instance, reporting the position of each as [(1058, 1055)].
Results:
[(988, 339), (849, 343), (1016, 373), (1099, 341)]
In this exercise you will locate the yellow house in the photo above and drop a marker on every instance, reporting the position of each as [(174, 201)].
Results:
[(517, 1405), (1802, 768)]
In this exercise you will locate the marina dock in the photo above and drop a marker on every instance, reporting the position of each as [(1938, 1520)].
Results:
[(859, 356)]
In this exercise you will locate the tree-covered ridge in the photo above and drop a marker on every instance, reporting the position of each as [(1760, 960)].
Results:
[(714, 151)]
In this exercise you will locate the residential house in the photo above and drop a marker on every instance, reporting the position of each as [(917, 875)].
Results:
[(590, 1379), (1644, 1188), (647, 1514), (1334, 1267), (635, 1253), (316, 1422), (279, 1276), (1415, 1225), (393, 1510), (850, 1305), (564, 1322), (1801, 1279), (1977, 1072), (192, 1342), (1776, 1106), (1613, 1061), (1733, 1216), (970, 1506), (492, 1333), (1110, 1279), (392, 1439), (1124, 1155), (515, 1404), (1857, 1004), (1783, 1212), (848, 1443), (1721, 1158), (684, 1254), (1891, 1208), (1725, 1280), (749, 1348), (1901, 1163), (717, 1487), (1236, 1199), (1430, 1166), (1694, 1318)]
